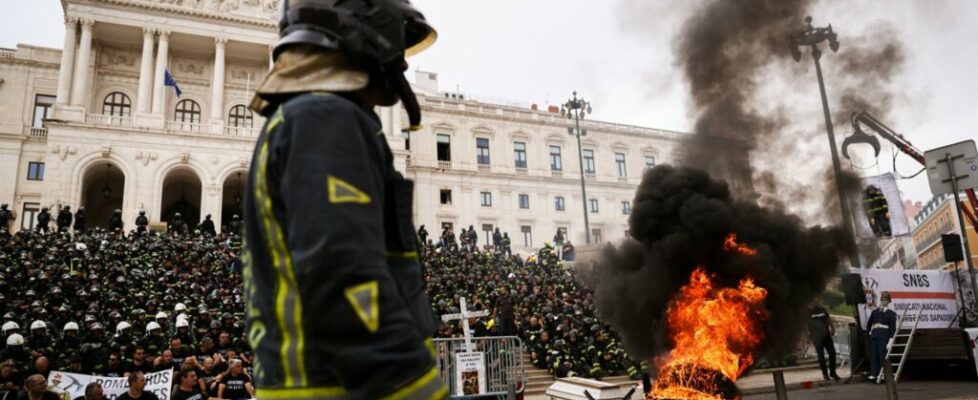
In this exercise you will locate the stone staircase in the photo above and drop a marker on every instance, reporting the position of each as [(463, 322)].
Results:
[(538, 380)]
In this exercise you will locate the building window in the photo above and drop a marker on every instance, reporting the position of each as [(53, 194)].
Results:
[(620, 165), (596, 235), (444, 148), (626, 207), (593, 205), (519, 154), (447, 225), (35, 171), (525, 201), (241, 117), (589, 161), (446, 196), (555, 162), (485, 199), (42, 108), (649, 162), (482, 151), (559, 203), (29, 216), (527, 235), (487, 229), (116, 104), (187, 111)]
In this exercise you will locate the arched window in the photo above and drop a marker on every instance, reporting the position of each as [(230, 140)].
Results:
[(240, 117), (116, 104), (187, 111)]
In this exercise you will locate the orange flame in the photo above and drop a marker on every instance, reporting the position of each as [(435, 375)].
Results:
[(730, 243), (715, 331)]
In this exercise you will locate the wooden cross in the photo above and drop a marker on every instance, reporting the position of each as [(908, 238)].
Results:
[(464, 316)]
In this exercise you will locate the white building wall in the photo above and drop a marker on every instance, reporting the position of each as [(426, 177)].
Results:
[(146, 148)]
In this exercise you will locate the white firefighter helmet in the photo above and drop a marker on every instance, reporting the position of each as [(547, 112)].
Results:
[(161, 315), (152, 326), (179, 307), (121, 326), (182, 323), (183, 316), (10, 326), (15, 340), (38, 325), (71, 326)]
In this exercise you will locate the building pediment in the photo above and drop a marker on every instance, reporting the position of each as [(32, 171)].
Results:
[(259, 12)]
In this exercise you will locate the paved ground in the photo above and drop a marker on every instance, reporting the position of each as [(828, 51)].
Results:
[(808, 377), (923, 390)]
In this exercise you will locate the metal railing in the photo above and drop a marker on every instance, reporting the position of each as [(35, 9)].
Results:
[(240, 131), (503, 363), (934, 237), (186, 126)]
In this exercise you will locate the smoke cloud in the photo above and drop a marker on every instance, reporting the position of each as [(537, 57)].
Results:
[(679, 221)]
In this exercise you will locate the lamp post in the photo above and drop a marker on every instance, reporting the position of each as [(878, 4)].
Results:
[(576, 108), (811, 37)]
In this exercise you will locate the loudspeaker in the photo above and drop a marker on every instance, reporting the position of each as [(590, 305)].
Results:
[(852, 288), (952, 248)]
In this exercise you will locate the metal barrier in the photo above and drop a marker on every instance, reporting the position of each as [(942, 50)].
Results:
[(505, 371)]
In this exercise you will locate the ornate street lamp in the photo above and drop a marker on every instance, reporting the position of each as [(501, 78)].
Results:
[(811, 37), (576, 108)]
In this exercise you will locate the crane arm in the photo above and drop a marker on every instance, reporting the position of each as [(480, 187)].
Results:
[(904, 145)]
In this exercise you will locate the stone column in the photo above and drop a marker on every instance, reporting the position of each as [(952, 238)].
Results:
[(144, 100), (159, 95), (271, 57), (79, 88), (67, 61), (217, 85)]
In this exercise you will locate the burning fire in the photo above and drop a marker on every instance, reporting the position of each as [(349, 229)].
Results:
[(714, 331)]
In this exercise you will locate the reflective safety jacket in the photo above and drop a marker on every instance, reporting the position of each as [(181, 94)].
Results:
[(336, 302)]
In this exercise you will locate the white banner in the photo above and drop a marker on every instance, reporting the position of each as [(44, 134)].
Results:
[(160, 383), (470, 373), (911, 290)]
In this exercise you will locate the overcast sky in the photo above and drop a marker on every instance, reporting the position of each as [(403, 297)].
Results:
[(540, 51)]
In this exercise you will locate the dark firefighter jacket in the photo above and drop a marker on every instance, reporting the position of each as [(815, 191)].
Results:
[(336, 303)]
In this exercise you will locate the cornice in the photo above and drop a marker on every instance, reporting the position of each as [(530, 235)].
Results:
[(181, 10)]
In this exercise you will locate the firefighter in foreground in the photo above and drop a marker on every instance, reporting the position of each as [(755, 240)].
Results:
[(336, 303)]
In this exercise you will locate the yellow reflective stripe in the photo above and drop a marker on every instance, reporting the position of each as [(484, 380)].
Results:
[(282, 260), (418, 384), (298, 393), (277, 119), (440, 394), (430, 344), (402, 255)]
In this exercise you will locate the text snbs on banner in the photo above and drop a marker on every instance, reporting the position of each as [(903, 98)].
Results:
[(160, 383), (910, 290)]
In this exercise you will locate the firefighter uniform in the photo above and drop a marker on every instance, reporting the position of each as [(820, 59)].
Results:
[(336, 301)]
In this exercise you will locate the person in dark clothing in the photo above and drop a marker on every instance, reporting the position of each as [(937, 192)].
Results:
[(323, 188), (137, 384), (507, 250), (820, 331), (36, 388), (80, 220), (64, 219), (236, 385), (423, 234), (6, 216), (505, 314), (43, 218), (141, 222), (881, 327), (235, 225), (187, 388), (497, 240), (207, 226), (115, 221), (176, 224), (93, 391)]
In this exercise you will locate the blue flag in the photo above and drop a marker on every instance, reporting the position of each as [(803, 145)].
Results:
[(169, 81)]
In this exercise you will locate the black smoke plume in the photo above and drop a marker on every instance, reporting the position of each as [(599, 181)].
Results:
[(679, 221)]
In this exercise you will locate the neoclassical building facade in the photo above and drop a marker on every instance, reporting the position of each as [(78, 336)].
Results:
[(95, 125)]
